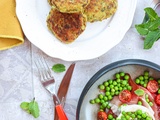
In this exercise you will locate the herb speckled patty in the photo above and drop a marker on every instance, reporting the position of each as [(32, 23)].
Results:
[(69, 6), (66, 26), (98, 10)]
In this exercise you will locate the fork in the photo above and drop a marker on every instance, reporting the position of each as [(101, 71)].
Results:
[(48, 82)]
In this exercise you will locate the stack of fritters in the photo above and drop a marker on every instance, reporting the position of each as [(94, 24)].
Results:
[(66, 26), (69, 6), (67, 18)]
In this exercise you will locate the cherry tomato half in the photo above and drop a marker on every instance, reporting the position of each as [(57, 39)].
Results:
[(125, 96), (152, 86), (102, 115), (157, 99)]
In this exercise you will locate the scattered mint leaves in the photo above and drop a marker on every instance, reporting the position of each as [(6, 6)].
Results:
[(31, 108), (139, 92), (58, 68), (149, 29)]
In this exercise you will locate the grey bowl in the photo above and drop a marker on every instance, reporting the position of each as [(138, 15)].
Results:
[(135, 67)]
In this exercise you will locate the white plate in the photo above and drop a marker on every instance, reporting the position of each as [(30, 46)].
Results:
[(97, 39), (135, 67)]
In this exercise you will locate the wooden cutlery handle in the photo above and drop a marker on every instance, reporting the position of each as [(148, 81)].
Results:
[(61, 113)]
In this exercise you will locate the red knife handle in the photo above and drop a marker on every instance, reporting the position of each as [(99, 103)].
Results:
[(61, 113)]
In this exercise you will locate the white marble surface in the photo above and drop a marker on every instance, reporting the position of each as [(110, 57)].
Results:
[(18, 83)]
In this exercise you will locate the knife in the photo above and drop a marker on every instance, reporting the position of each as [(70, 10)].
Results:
[(63, 88)]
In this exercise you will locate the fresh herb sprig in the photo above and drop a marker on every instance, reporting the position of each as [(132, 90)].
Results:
[(31, 108), (149, 29)]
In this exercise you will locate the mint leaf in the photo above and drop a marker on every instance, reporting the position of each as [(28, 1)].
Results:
[(34, 108), (24, 105), (151, 38), (142, 29), (139, 92), (153, 25), (31, 108), (150, 28), (151, 13), (58, 68)]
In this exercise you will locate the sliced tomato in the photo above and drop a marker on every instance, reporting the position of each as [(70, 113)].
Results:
[(102, 115), (152, 86), (157, 99), (125, 96)]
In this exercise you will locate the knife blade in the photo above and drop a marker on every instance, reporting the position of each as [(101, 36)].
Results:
[(63, 88)]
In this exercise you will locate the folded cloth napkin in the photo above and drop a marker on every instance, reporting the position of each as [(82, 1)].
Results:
[(10, 30)]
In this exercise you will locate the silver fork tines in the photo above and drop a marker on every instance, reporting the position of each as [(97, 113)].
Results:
[(46, 77), (43, 69)]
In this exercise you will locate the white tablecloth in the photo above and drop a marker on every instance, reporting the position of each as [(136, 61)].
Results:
[(19, 82)]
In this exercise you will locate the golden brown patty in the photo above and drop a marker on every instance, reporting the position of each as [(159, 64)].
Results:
[(98, 10), (69, 6), (66, 26)]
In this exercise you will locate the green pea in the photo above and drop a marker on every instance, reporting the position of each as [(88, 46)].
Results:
[(141, 77), (159, 81), (112, 93), (116, 88), (117, 75), (120, 88), (108, 88), (144, 115), (150, 103), (110, 81), (104, 105), (122, 74), (118, 80), (139, 102), (159, 91), (129, 88), (109, 97), (92, 101), (117, 93), (133, 115), (107, 93), (146, 77), (100, 96), (105, 98), (114, 83), (137, 81), (146, 73), (110, 116), (139, 112), (113, 90), (111, 86), (141, 82), (105, 83), (126, 77), (97, 100), (102, 101), (101, 87), (124, 82), (145, 85), (151, 78)]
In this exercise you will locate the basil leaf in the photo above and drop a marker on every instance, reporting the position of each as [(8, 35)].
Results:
[(139, 92), (151, 38), (34, 108), (24, 105), (151, 13), (58, 68)]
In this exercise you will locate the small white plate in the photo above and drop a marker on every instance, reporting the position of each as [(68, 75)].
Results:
[(97, 39)]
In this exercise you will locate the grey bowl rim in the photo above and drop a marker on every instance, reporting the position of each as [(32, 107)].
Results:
[(109, 67)]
